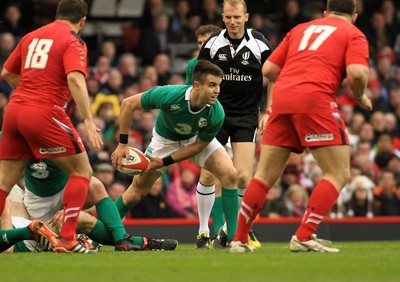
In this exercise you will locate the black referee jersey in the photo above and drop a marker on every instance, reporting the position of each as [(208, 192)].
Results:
[(241, 61)]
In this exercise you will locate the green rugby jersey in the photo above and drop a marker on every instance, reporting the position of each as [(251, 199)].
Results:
[(44, 178), (189, 70), (176, 120)]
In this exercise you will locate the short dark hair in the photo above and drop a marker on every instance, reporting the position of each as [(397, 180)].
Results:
[(341, 6), (208, 28), (71, 10), (203, 68)]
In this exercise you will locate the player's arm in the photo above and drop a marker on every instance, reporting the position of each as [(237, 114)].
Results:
[(357, 76), (128, 106), (11, 78), (270, 71), (77, 86)]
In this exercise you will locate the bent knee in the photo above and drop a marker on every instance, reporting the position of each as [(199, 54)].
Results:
[(229, 177)]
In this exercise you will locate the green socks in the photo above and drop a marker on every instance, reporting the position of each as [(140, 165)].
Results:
[(217, 214), (122, 209), (10, 237), (230, 207), (108, 214)]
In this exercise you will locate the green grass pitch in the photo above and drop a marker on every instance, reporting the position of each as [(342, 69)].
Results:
[(357, 261)]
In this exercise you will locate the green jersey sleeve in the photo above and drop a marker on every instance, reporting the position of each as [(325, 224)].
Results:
[(189, 70)]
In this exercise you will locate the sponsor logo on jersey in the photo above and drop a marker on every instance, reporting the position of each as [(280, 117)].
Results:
[(202, 122), (183, 128), (245, 57), (40, 170), (234, 75), (318, 137), (175, 107), (52, 150), (222, 57)]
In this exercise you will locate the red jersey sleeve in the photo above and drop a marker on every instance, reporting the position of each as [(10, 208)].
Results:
[(13, 63), (75, 57), (278, 56), (357, 50)]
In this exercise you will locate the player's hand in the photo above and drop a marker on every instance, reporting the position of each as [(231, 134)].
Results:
[(154, 163), (121, 151), (93, 133), (262, 123), (56, 220), (365, 102)]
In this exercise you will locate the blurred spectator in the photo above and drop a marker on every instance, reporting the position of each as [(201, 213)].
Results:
[(296, 199), (151, 9), (378, 101), (176, 79), (387, 194), (180, 15), (187, 34), (113, 86), (116, 189), (7, 44), (181, 193), (379, 34), (101, 70), (154, 205), (291, 17), (128, 68), (359, 200), (109, 49), (385, 68), (104, 171), (12, 21), (158, 36), (362, 22), (269, 29), (93, 87), (162, 65), (274, 206), (290, 176), (367, 133), (210, 13)]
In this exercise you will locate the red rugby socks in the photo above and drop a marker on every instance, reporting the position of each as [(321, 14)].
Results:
[(321, 202), (74, 197), (252, 202)]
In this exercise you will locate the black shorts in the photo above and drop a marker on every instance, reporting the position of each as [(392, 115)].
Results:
[(239, 129)]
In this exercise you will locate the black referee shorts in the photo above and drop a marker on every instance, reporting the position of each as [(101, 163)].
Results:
[(239, 129)]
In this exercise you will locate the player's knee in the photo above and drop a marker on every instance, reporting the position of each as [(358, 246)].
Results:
[(207, 178), (229, 177), (243, 178)]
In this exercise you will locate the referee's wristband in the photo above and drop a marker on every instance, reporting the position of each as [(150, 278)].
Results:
[(168, 161), (123, 138)]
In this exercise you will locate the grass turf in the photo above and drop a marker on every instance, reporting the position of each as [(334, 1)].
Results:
[(357, 261)]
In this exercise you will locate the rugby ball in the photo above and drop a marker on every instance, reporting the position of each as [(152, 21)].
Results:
[(134, 164)]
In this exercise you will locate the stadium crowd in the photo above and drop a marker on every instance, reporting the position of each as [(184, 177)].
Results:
[(120, 68)]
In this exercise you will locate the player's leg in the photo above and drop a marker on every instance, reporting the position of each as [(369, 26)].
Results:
[(332, 153), (220, 164), (335, 165), (10, 172), (272, 163), (137, 190), (106, 209), (205, 195), (243, 160), (75, 191)]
